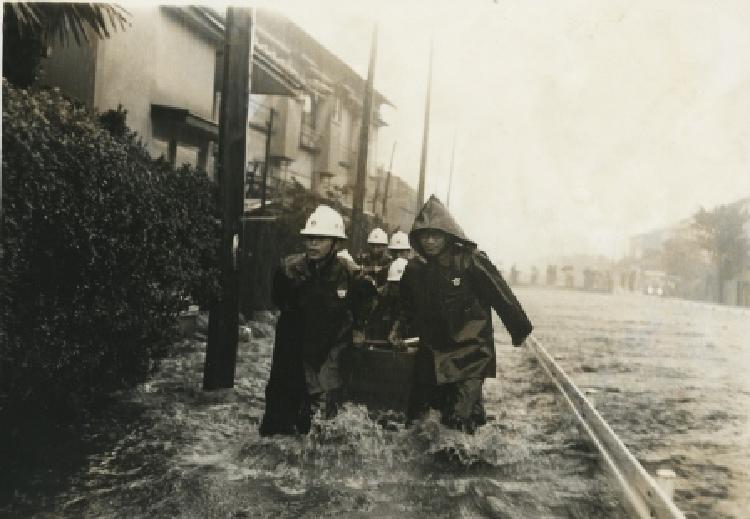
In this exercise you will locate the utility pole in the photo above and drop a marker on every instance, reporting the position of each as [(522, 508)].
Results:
[(223, 320), (388, 182), (450, 175), (357, 226), (425, 134), (267, 164)]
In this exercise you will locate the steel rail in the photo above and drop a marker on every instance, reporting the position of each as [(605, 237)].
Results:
[(643, 496)]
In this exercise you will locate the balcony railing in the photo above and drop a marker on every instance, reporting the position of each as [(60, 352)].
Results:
[(308, 139), (347, 157)]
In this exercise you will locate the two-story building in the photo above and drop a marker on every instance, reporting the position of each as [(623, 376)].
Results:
[(162, 69), (314, 136), (166, 70)]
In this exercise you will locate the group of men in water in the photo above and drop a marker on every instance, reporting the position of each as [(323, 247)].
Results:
[(432, 284)]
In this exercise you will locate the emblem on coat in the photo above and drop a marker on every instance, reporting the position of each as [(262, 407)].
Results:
[(341, 292), (456, 282)]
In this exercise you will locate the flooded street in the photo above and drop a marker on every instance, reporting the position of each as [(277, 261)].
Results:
[(669, 376), (167, 449)]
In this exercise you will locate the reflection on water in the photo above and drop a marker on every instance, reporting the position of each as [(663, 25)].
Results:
[(669, 376)]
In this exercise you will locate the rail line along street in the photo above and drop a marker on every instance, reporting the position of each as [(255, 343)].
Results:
[(642, 495)]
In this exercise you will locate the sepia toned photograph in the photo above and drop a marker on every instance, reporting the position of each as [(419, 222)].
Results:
[(375, 259)]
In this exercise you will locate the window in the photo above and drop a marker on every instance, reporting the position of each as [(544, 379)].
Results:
[(308, 135), (337, 110), (309, 112)]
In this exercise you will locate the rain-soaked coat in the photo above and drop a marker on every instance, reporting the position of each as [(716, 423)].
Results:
[(320, 305), (377, 268), (384, 312), (449, 307)]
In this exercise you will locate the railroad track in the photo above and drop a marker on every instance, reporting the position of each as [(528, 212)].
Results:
[(643, 497)]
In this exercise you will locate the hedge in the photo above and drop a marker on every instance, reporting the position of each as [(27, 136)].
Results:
[(101, 247)]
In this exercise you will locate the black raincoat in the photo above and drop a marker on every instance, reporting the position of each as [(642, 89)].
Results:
[(320, 305), (376, 268), (449, 307), (384, 312)]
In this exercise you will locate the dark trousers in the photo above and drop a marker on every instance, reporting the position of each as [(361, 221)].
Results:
[(294, 416), (328, 403), (460, 403)]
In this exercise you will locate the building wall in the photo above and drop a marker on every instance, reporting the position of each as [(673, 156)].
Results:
[(187, 60), (158, 60), (402, 200), (126, 67), (331, 83)]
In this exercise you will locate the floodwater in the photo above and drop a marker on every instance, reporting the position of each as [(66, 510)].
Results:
[(671, 377), (668, 375)]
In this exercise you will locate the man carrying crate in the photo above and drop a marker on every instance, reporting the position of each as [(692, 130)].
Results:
[(323, 305), (446, 296)]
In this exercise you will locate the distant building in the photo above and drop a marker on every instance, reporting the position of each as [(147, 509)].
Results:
[(645, 270)]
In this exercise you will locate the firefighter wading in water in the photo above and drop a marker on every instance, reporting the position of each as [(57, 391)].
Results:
[(323, 306), (446, 296), (376, 260)]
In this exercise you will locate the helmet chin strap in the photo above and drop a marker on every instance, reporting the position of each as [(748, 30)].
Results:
[(332, 252), (329, 255)]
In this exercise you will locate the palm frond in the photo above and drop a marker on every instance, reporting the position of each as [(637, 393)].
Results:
[(61, 21), (22, 16)]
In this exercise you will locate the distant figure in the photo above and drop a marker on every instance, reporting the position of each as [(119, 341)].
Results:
[(399, 246), (551, 279), (322, 312), (514, 275), (375, 260), (446, 296)]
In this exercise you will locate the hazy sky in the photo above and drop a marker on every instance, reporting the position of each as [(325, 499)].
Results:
[(578, 122)]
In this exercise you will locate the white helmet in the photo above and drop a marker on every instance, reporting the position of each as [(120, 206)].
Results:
[(396, 270), (324, 221), (399, 241), (378, 237)]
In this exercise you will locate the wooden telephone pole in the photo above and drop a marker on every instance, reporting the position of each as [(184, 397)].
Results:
[(388, 182), (223, 320), (425, 135), (357, 230), (267, 162), (450, 175)]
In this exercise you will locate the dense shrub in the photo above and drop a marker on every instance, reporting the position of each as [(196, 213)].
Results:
[(100, 247)]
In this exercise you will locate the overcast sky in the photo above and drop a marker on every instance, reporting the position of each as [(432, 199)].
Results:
[(578, 123)]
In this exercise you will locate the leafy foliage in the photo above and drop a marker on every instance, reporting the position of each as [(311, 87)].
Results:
[(721, 232), (30, 27), (100, 247), (59, 21)]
